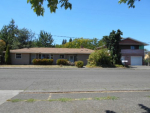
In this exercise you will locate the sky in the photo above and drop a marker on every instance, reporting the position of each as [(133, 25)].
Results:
[(87, 19)]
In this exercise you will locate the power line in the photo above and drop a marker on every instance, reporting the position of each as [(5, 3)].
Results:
[(67, 36)]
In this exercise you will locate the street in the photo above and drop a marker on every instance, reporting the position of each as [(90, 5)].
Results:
[(128, 90)]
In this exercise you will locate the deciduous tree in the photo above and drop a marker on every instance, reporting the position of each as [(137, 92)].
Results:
[(37, 5), (130, 3), (2, 46)]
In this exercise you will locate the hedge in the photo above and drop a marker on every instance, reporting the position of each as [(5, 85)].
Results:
[(42, 61)]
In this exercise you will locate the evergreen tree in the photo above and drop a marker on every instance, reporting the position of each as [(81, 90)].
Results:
[(112, 43), (9, 34), (70, 40), (7, 56), (64, 41), (45, 40)]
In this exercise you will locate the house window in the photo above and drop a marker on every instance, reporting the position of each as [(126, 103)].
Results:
[(18, 56), (51, 57), (132, 47), (62, 56), (44, 56)]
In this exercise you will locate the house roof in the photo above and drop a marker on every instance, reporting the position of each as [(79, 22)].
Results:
[(131, 41), (53, 50)]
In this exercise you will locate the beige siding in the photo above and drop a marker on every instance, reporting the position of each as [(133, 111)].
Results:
[(25, 59), (83, 58)]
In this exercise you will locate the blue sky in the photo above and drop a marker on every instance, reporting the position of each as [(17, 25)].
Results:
[(87, 19)]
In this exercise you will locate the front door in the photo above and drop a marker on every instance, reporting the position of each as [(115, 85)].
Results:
[(33, 56), (71, 58)]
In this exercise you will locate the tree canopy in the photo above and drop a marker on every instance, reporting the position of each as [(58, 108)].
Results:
[(15, 37), (37, 5), (45, 39), (38, 8), (130, 3), (82, 43), (2, 46)]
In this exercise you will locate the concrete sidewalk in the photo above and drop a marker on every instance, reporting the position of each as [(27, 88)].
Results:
[(108, 102), (141, 67)]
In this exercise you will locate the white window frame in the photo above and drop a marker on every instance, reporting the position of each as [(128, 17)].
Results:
[(50, 56), (16, 56), (60, 55)]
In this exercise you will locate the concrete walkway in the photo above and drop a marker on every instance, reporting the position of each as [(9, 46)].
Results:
[(7, 94)]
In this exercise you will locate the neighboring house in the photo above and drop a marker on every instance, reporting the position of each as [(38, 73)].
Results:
[(147, 54), (26, 55), (133, 51)]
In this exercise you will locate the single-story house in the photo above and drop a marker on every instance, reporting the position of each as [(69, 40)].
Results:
[(132, 51), (26, 55)]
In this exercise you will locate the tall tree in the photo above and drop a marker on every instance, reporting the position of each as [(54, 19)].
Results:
[(25, 38), (9, 33), (7, 56), (112, 43), (45, 40), (70, 40), (64, 41)]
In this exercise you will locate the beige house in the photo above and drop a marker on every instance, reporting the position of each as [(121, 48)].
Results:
[(26, 55), (147, 55)]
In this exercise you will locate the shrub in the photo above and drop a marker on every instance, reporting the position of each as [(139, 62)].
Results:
[(61, 62), (79, 64), (100, 58), (42, 61)]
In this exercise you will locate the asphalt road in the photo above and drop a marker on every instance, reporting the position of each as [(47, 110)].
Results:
[(92, 90), (60, 80)]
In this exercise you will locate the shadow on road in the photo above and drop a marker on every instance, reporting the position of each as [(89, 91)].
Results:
[(145, 108), (108, 111), (141, 105)]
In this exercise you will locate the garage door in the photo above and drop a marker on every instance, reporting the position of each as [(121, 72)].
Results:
[(136, 60)]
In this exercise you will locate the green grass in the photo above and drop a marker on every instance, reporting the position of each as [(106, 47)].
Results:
[(66, 99), (117, 65), (15, 100), (31, 100), (106, 98)]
